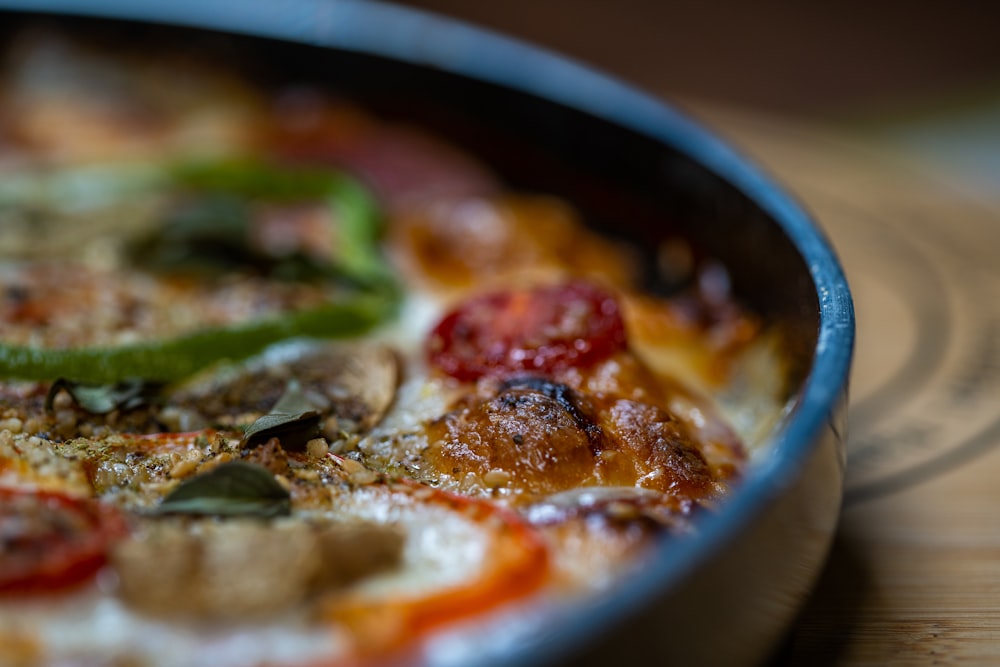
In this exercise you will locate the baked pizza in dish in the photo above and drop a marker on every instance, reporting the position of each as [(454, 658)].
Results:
[(282, 383)]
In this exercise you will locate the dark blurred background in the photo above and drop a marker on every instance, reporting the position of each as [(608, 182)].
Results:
[(831, 60)]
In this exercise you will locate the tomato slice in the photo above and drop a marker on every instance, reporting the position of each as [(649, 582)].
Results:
[(50, 541), (518, 565), (540, 329)]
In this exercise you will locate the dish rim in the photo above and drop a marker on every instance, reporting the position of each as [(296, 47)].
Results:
[(422, 38)]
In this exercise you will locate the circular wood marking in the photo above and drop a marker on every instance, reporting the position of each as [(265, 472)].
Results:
[(924, 268)]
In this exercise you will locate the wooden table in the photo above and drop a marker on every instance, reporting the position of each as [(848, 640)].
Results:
[(914, 577)]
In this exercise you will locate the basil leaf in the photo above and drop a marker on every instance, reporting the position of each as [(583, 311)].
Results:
[(100, 399), (235, 488)]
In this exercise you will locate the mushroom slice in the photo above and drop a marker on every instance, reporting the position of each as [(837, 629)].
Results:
[(350, 386), (246, 568)]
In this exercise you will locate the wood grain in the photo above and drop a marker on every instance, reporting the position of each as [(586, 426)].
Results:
[(914, 576)]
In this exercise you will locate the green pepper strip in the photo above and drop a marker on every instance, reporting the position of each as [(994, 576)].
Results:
[(178, 357), (356, 211)]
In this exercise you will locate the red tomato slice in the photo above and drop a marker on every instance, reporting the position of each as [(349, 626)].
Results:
[(541, 330), (50, 541)]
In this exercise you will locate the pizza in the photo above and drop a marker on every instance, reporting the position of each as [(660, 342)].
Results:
[(285, 383)]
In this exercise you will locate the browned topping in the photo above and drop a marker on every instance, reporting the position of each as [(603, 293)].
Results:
[(704, 334), (470, 242), (607, 426), (664, 455), (529, 434), (592, 548), (539, 438)]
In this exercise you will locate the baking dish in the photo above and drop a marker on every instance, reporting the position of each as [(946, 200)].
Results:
[(640, 170)]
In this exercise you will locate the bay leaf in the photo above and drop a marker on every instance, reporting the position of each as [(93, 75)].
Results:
[(294, 421), (100, 399), (235, 488)]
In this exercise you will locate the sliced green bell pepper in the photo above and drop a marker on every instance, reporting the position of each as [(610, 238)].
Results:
[(372, 298)]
